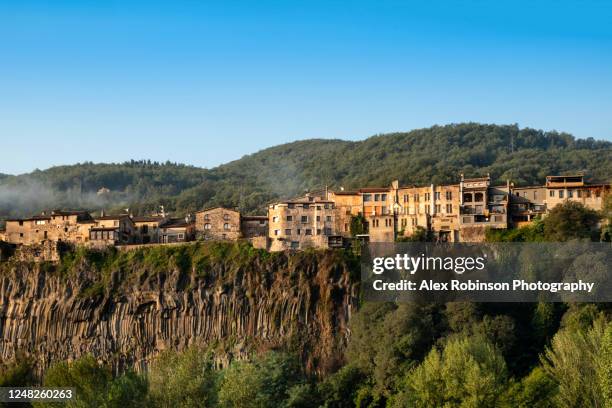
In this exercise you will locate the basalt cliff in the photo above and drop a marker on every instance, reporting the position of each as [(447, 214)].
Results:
[(124, 307)]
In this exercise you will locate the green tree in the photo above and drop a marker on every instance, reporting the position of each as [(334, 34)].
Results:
[(186, 379), (570, 220), (94, 385), (264, 382), (573, 361), (469, 372)]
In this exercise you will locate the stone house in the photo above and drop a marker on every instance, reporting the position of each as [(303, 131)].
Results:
[(218, 223), (305, 222), (177, 230), (148, 228), (55, 226), (573, 188), (113, 230)]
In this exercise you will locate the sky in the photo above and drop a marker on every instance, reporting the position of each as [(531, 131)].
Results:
[(206, 82)]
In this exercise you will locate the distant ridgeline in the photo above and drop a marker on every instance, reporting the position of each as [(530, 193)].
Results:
[(435, 155)]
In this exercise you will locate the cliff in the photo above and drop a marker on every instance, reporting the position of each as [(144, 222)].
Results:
[(123, 307)]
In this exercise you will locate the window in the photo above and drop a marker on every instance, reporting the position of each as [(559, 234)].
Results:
[(299, 231), (427, 196), (65, 229), (308, 231), (560, 193), (416, 198), (551, 193), (181, 236), (207, 226), (295, 244), (570, 193), (304, 218), (478, 197), (306, 206), (467, 197), (579, 193), (290, 218), (449, 208), (318, 218), (226, 226), (262, 222), (449, 195), (288, 231), (290, 205), (206, 217), (346, 227), (21, 223), (376, 197), (367, 197), (276, 232), (275, 219), (438, 208), (326, 206), (383, 197), (588, 193), (436, 195), (39, 222), (226, 217), (328, 218), (404, 222), (405, 198), (597, 193), (318, 231)]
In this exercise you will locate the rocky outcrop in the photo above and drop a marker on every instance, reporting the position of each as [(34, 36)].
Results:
[(123, 308)]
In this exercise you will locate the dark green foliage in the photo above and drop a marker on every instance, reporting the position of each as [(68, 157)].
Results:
[(420, 235), (358, 225), (434, 155), (183, 380), (94, 386), (17, 372), (272, 381), (529, 233), (570, 220)]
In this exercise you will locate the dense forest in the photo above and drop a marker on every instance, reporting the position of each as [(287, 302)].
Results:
[(437, 154)]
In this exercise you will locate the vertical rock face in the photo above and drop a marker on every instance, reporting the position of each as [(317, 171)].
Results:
[(127, 311)]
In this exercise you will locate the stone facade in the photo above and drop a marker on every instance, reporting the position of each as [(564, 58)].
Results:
[(306, 222), (254, 226), (112, 230), (177, 230), (218, 223), (57, 226), (148, 228)]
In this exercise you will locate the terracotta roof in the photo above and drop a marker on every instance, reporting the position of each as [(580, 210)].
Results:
[(33, 218), (177, 223), (151, 218), (374, 190), (112, 217), (218, 206)]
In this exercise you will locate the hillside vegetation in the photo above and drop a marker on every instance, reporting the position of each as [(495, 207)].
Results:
[(437, 154)]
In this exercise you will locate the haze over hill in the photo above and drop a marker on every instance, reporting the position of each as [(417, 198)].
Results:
[(433, 155)]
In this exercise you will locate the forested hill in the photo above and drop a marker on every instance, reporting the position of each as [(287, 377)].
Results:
[(437, 154)]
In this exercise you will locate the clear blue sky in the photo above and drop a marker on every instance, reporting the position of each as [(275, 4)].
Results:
[(204, 82)]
